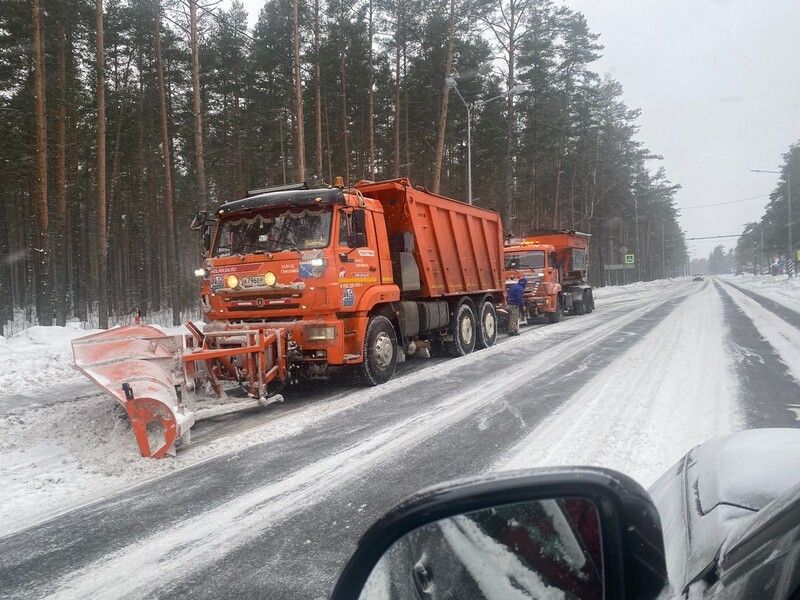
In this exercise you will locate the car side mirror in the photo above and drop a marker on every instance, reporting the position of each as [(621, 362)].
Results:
[(575, 532), (199, 220), (358, 236)]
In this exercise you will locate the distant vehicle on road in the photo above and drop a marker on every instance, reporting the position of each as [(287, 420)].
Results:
[(698, 278)]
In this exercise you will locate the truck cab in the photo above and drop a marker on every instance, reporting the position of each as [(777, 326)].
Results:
[(525, 258), (312, 262)]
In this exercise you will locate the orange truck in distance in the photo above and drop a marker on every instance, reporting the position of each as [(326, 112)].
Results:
[(300, 281), (555, 264)]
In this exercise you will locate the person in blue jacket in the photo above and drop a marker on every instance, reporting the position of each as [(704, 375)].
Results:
[(516, 304)]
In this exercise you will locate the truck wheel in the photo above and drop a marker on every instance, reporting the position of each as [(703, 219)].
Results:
[(487, 325), (464, 332), (555, 316), (579, 308), (589, 301), (380, 352)]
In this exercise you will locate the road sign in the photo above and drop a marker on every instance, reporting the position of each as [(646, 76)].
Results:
[(629, 259), (798, 256)]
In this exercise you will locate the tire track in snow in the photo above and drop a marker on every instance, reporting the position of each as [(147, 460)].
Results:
[(671, 390), (791, 316), (214, 530), (765, 348)]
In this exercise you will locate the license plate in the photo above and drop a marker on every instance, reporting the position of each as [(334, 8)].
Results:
[(252, 280)]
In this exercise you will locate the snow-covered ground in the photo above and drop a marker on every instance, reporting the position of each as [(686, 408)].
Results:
[(63, 443)]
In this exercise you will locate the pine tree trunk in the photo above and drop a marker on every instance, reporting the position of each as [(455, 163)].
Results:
[(509, 211), (448, 66), (342, 66), (102, 232), (61, 183), (172, 250), (44, 293), (199, 153), (371, 99), (317, 93), (299, 136), (398, 57)]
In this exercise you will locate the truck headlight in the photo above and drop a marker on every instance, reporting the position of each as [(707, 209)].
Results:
[(232, 281), (201, 272), (317, 262), (269, 278), (320, 333)]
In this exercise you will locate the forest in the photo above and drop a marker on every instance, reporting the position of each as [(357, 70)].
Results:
[(119, 119)]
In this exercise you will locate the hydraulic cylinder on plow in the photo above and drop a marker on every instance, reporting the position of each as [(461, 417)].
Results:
[(173, 380)]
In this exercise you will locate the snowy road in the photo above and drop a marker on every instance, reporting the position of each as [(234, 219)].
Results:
[(632, 386)]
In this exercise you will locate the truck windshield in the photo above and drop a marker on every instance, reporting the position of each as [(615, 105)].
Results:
[(275, 230), (529, 259)]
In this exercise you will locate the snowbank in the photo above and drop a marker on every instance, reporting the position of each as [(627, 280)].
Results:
[(39, 358)]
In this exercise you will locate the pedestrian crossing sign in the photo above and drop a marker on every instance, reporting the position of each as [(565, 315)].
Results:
[(629, 259)]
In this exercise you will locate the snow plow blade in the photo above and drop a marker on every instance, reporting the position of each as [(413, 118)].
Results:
[(156, 377), (140, 367)]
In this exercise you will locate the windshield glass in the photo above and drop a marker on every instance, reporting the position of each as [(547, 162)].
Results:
[(275, 230), (529, 259)]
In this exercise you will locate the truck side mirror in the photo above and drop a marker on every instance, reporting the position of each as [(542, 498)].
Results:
[(553, 259), (199, 220), (358, 236), (206, 238)]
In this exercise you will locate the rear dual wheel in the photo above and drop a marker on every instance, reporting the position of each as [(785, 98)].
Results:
[(463, 332), (487, 324)]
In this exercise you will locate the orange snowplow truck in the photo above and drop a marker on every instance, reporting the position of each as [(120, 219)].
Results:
[(555, 264), (298, 282)]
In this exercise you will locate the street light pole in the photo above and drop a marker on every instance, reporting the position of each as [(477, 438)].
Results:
[(789, 208), (451, 82)]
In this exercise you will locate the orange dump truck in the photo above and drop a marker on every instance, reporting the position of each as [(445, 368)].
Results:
[(555, 264), (301, 281)]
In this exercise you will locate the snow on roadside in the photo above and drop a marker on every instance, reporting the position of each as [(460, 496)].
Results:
[(673, 389), (784, 338), (779, 289), (39, 358)]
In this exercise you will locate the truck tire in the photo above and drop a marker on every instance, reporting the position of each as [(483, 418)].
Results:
[(464, 331), (487, 325), (589, 301), (380, 352), (579, 308), (555, 316)]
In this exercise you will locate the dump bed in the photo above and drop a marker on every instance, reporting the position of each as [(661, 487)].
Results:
[(457, 248)]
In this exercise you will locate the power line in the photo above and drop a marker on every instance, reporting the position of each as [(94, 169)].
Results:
[(723, 203), (714, 237)]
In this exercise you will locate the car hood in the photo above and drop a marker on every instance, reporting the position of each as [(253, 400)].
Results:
[(717, 490)]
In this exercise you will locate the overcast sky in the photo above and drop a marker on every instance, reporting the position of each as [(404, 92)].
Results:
[(717, 84)]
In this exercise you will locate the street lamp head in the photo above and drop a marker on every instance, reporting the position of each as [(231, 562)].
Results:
[(451, 82), (518, 89)]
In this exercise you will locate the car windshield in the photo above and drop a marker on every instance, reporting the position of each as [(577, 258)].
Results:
[(274, 230), (528, 259)]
